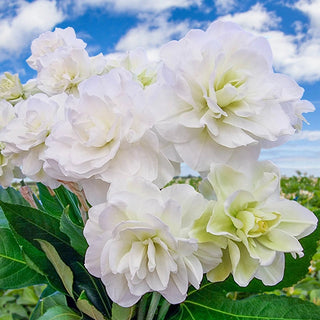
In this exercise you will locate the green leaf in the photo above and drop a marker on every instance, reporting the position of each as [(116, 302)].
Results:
[(10, 195), (74, 233), (38, 261), (30, 295), (50, 201), (85, 306), (60, 313), (206, 304), (48, 299), (17, 310), (121, 313), (62, 269), (32, 224), (14, 271), (67, 198), (93, 287), (3, 220)]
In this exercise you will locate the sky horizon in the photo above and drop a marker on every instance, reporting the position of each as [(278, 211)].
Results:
[(292, 28)]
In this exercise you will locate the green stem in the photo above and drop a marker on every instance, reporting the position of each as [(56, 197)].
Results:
[(153, 305), (142, 307), (163, 309)]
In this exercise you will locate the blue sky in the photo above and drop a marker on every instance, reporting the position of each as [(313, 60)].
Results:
[(291, 26)]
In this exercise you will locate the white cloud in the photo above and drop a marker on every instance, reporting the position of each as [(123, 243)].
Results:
[(312, 9), (152, 33), (296, 54), (301, 153), (309, 135), (30, 19), (256, 19), (224, 6), (133, 5)]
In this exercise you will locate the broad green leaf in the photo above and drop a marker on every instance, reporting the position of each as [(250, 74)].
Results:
[(30, 224), (121, 313), (50, 202), (206, 304), (61, 268), (10, 195), (3, 220), (74, 233), (60, 313), (38, 261), (33, 224), (85, 306), (14, 271), (93, 287), (48, 299)]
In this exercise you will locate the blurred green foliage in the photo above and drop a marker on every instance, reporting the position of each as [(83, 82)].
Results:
[(17, 304)]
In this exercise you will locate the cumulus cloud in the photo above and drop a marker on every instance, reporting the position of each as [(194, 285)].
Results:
[(152, 33), (29, 20), (312, 9), (225, 6), (132, 5), (256, 19), (295, 54)]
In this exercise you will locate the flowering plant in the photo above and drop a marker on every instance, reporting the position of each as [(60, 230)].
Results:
[(102, 136)]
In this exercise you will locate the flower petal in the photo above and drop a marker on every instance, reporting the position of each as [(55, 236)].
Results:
[(273, 273), (279, 240)]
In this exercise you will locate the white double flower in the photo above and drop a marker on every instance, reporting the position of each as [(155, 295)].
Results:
[(252, 222), (139, 241), (217, 96)]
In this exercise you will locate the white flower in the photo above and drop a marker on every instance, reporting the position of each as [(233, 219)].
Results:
[(6, 166), (137, 62), (139, 241), (11, 88), (217, 94), (62, 61), (65, 69), (6, 169), (30, 88), (107, 134), (6, 113), (258, 226), (48, 42), (25, 135)]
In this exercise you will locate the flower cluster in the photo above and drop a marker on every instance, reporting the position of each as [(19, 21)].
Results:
[(118, 127)]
